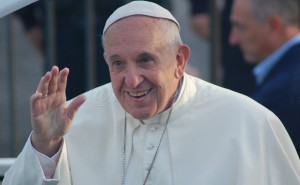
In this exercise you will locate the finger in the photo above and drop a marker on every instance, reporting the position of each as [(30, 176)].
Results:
[(53, 82), (62, 80), (74, 106), (34, 101), (43, 84)]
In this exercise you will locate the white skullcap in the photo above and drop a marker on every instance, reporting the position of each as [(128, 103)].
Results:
[(139, 8)]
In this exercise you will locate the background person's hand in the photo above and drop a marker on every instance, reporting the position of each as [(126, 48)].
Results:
[(51, 117)]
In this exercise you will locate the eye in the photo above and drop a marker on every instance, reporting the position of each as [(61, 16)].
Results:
[(238, 27), (117, 65), (146, 60)]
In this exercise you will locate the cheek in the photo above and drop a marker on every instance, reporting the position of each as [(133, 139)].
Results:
[(256, 43), (155, 80), (254, 37), (246, 38), (166, 88), (116, 82), (248, 43)]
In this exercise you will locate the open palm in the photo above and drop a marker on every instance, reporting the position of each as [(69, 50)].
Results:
[(51, 117)]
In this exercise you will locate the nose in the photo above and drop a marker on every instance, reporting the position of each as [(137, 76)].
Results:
[(133, 77), (233, 38)]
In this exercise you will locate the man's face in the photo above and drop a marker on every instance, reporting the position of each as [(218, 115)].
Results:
[(252, 36), (143, 66)]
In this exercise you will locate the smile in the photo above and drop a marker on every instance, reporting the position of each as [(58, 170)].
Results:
[(138, 94)]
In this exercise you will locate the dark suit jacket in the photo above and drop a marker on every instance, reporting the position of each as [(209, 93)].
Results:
[(280, 92)]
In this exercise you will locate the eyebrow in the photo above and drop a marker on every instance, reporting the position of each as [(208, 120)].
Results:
[(147, 54), (114, 57), (144, 54), (141, 55)]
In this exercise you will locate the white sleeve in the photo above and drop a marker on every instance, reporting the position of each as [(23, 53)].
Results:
[(27, 168), (48, 164)]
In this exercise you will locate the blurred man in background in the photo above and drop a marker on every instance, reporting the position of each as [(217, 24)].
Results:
[(237, 75), (268, 33)]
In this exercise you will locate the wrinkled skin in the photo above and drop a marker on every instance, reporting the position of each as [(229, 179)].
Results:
[(51, 117), (144, 69)]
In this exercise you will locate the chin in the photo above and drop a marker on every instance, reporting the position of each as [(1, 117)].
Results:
[(251, 60), (141, 115)]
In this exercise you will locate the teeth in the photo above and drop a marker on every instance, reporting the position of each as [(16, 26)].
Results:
[(138, 93)]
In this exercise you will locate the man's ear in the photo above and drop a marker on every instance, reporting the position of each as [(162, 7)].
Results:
[(276, 24), (183, 55)]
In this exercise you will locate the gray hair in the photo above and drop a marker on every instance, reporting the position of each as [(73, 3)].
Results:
[(288, 10), (171, 30)]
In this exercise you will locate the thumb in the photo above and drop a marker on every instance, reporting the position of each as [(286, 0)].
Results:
[(74, 106)]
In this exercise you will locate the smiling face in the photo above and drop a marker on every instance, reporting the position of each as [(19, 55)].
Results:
[(144, 67)]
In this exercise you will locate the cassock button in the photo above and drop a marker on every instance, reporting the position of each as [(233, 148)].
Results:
[(153, 129), (151, 147), (147, 168)]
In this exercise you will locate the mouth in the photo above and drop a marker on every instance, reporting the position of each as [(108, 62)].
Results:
[(138, 94)]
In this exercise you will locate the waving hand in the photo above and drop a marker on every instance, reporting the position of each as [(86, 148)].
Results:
[(51, 117)]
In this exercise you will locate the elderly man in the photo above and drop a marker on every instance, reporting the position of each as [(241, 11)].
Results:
[(268, 33), (153, 124)]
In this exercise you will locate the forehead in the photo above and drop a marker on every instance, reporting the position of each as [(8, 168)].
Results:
[(134, 20), (134, 31), (241, 7), (241, 13), (133, 25), (242, 3)]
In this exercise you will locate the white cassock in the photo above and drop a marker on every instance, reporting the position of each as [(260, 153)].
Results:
[(9, 6), (214, 137)]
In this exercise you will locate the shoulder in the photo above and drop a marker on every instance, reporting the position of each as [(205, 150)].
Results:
[(218, 95), (290, 59), (223, 104)]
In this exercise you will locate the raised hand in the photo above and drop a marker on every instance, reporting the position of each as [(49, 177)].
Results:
[(51, 117)]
